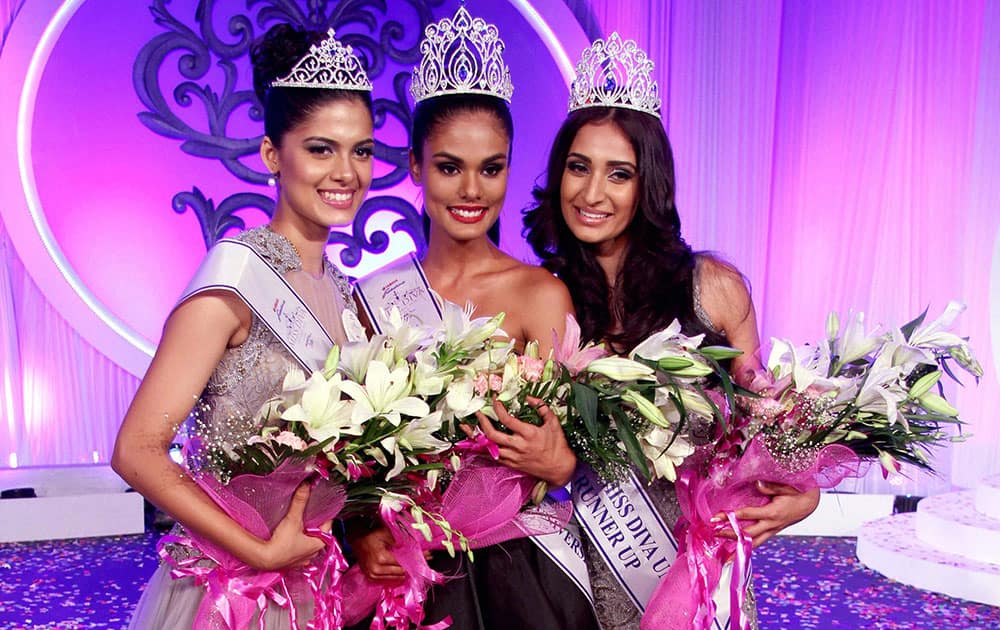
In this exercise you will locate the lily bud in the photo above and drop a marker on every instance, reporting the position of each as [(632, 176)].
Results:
[(924, 384), (547, 371), (695, 370), (531, 349), (832, 325), (620, 369), (645, 407), (674, 363), (538, 493), (937, 404), (964, 358), (720, 353), (332, 360)]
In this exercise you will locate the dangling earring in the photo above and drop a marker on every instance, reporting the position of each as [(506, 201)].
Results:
[(272, 181)]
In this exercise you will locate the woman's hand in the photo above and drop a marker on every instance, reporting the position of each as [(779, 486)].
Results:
[(540, 451), (289, 545), (375, 556), (787, 507)]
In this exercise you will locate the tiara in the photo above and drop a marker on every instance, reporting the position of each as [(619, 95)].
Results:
[(329, 65), (461, 55), (613, 73)]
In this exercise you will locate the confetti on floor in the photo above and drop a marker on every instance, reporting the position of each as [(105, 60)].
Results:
[(801, 582)]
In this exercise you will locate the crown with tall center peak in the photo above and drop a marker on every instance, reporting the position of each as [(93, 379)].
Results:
[(615, 73), (328, 65), (461, 55)]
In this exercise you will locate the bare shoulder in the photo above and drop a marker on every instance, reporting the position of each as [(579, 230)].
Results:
[(720, 280), (538, 285), (724, 292)]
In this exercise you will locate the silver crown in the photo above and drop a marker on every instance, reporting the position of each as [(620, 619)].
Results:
[(461, 55), (329, 65), (613, 73)]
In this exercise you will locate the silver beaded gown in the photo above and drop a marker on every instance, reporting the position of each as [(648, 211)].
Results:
[(246, 377), (614, 608)]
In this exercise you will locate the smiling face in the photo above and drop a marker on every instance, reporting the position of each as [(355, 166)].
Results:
[(324, 165), (600, 185), (463, 173)]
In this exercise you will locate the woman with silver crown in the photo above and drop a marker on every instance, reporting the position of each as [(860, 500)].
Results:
[(460, 156), (222, 353), (606, 223)]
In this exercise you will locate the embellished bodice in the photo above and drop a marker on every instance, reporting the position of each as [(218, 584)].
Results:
[(250, 374)]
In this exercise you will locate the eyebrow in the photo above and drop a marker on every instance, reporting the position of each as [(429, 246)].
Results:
[(584, 158), (335, 143), (455, 158)]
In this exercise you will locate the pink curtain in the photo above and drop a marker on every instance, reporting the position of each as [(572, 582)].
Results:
[(843, 155), (62, 401)]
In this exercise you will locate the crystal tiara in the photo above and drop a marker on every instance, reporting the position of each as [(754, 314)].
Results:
[(461, 55), (615, 73), (328, 65)]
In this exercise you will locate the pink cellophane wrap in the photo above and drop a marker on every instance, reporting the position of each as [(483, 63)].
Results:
[(683, 598), (484, 502), (236, 592)]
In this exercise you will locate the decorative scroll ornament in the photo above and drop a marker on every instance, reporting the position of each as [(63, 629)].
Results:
[(461, 55), (329, 65), (615, 73)]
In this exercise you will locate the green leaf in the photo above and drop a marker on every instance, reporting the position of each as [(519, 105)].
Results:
[(627, 435), (585, 400)]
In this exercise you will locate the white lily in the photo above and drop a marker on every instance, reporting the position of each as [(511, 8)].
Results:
[(458, 330), (665, 460), (461, 400), (491, 356), (881, 393), (785, 359), (856, 343), (355, 357), (404, 338), (427, 381), (322, 411), (668, 342), (419, 434), (386, 394)]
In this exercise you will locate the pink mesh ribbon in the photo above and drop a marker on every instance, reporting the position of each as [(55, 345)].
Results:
[(683, 598), (484, 501), (236, 592)]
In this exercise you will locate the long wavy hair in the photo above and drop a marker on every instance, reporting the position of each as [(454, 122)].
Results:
[(655, 284)]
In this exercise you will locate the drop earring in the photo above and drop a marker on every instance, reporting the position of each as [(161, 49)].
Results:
[(272, 181)]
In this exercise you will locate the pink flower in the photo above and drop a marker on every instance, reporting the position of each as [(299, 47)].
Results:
[(481, 385), (291, 440), (496, 382), (531, 368), (479, 443), (568, 351)]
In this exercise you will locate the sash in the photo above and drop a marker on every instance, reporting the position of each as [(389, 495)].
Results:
[(631, 537), (236, 267), (403, 285), (400, 284)]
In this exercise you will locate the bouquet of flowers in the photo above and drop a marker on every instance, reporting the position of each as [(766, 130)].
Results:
[(827, 408)]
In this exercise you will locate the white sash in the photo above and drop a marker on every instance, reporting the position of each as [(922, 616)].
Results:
[(237, 267), (403, 285), (624, 526)]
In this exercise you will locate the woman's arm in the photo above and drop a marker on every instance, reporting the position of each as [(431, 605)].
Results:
[(726, 300), (194, 339)]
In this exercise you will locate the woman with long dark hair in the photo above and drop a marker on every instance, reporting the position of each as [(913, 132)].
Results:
[(605, 221), (460, 155)]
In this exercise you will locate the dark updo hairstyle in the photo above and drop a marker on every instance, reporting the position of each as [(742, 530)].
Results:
[(430, 114), (273, 56), (656, 281)]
